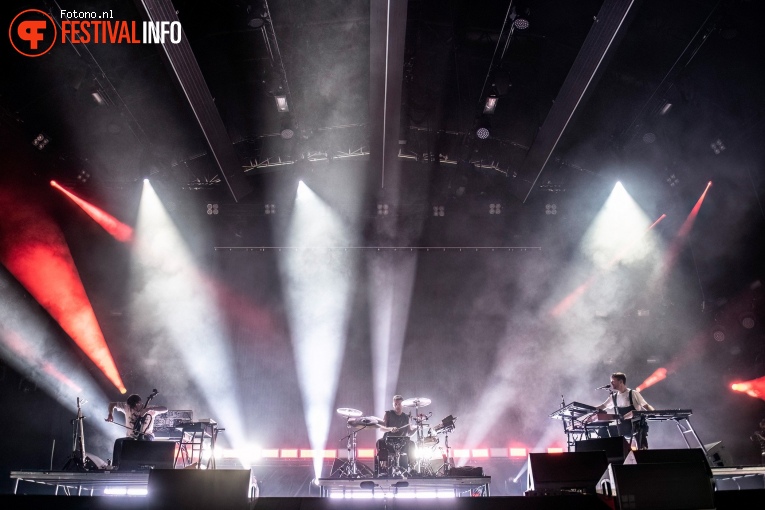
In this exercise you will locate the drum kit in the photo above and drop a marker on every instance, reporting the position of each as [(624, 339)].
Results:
[(396, 446)]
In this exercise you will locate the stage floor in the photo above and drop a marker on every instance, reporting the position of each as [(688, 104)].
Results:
[(81, 484), (416, 487)]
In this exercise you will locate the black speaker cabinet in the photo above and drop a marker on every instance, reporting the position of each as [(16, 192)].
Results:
[(669, 455), (553, 472), (146, 455), (221, 489), (668, 486), (616, 448)]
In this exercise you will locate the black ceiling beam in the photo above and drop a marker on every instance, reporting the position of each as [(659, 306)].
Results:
[(612, 21), (186, 68), (387, 34)]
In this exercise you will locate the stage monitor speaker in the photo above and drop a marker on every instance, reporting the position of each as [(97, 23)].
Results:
[(668, 486), (616, 448), (717, 455), (146, 455), (669, 455), (568, 471), (190, 489)]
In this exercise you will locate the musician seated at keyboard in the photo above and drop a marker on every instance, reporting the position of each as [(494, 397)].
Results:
[(395, 424), (625, 400)]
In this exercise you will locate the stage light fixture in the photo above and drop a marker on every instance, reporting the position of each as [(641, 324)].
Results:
[(673, 180), (495, 208), (382, 209), (270, 209), (649, 138), (212, 209), (281, 103), (40, 141), (717, 146), (287, 133), (551, 209), (521, 23), (747, 320), (438, 210), (98, 97), (482, 133), (83, 176), (718, 334), (491, 104)]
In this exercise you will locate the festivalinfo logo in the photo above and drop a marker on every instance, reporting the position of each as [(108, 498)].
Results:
[(33, 32)]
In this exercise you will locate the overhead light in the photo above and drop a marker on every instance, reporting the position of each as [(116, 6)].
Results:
[(717, 146), (98, 97), (491, 104), (83, 176), (521, 23), (747, 320), (482, 127), (281, 103), (40, 141)]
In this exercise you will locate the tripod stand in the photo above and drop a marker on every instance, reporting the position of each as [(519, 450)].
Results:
[(446, 466), (350, 468), (79, 460)]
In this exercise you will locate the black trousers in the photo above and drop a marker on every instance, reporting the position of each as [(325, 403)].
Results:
[(637, 430)]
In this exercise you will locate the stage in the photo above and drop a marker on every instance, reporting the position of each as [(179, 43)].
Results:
[(734, 487), (433, 487)]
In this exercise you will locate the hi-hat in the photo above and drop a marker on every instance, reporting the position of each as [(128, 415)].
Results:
[(416, 402), (349, 411), (365, 422)]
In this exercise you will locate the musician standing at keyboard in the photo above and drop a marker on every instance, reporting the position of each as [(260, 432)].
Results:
[(759, 438), (625, 400)]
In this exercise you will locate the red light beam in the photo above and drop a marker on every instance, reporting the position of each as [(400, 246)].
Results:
[(659, 375), (682, 234), (112, 225), (35, 252), (754, 388)]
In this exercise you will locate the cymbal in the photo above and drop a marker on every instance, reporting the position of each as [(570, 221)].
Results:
[(348, 411), (365, 422), (416, 402)]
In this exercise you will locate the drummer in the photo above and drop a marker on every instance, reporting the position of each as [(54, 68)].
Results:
[(395, 424)]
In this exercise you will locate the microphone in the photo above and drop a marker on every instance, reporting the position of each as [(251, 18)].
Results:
[(154, 393), (606, 387)]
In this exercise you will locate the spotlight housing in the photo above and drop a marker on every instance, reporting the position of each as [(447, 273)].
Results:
[(491, 104), (281, 103), (521, 23)]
